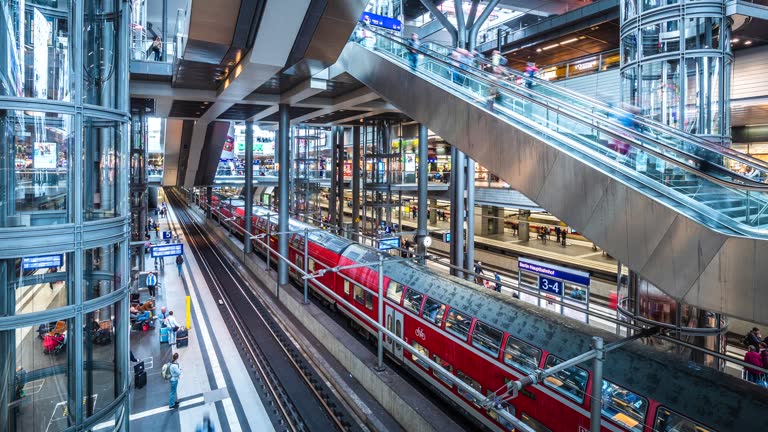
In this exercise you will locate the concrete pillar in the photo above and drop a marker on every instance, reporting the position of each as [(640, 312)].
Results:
[(491, 220), (248, 185), (433, 214), (284, 150), (523, 225)]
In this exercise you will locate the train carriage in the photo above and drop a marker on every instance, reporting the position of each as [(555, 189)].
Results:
[(486, 339)]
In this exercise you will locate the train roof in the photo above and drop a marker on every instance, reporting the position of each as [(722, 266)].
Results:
[(714, 398)]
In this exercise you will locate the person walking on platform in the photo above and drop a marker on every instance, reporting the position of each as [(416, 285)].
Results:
[(753, 357), (179, 263), (478, 272), (152, 283), (497, 277), (175, 373), (557, 233), (563, 234)]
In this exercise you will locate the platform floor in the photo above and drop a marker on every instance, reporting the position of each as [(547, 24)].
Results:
[(214, 381)]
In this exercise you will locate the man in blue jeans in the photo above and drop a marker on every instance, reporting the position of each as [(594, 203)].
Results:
[(173, 403)]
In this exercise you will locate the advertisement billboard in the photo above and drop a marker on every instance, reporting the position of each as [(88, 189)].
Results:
[(45, 155)]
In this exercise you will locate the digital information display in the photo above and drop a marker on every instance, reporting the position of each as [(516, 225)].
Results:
[(42, 261), (389, 243), (166, 250)]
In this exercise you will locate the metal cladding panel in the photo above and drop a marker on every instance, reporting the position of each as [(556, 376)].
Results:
[(682, 256), (215, 135), (573, 189), (638, 226)]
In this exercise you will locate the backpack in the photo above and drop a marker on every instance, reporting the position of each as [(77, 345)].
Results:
[(166, 371), (747, 341)]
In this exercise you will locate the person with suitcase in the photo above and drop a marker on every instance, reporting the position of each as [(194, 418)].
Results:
[(173, 326)]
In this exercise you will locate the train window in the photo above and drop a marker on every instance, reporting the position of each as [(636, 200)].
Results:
[(368, 300), (433, 311), (422, 351), (670, 421), (458, 323), (413, 300), (474, 384), (447, 366), (624, 407), (311, 265), (346, 287), (571, 382), (359, 294), (487, 338), (533, 424), (395, 291), (521, 355)]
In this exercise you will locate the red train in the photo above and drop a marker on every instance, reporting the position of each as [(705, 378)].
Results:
[(487, 339)]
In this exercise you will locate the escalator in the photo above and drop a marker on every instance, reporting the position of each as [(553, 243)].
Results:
[(661, 201)]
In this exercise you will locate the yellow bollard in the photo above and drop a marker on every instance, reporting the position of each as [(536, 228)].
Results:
[(189, 313)]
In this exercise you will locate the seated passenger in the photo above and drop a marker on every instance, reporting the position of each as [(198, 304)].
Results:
[(148, 305), (753, 357)]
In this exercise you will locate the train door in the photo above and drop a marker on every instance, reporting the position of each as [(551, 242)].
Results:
[(395, 325)]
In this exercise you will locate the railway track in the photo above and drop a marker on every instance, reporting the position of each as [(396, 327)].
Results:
[(293, 393)]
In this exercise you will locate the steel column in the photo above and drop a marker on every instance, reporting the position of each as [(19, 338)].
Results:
[(340, 180), (470, 208), (332, 197), (421, 231), (457, 210), (380, 351), (247, 243), (595, 404), (208, 198), (284, 147), (356, 181)]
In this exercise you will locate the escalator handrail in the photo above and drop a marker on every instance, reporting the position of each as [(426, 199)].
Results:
[(738, 156), (744, 183)]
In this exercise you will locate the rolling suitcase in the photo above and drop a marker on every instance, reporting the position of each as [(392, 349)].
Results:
[(182, 337), (141, 379), (164, 333)]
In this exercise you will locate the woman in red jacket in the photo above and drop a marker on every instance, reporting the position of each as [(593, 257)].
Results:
[(753, 357)]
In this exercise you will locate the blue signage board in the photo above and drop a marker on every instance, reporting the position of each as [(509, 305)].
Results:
[(172, 249), (554, 271), (42, 261), (381, 21), (167, 235), (552, 286), (389, 243)]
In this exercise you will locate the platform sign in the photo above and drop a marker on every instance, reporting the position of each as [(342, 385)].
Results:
[(166, 250), (447, 237), (42, 261), (389, 243), (167, 235), (552, 286), (381, 21), (554, 272)]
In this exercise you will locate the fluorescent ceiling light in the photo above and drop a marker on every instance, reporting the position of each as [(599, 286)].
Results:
[(550, 47), (569, 41), (748, 43), (735, 40)]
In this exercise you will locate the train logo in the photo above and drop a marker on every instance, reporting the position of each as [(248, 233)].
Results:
[(420, 334)]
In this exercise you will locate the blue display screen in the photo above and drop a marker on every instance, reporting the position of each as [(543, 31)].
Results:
[(381, 21), (42, 261), (389, 243), (167, 250)]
